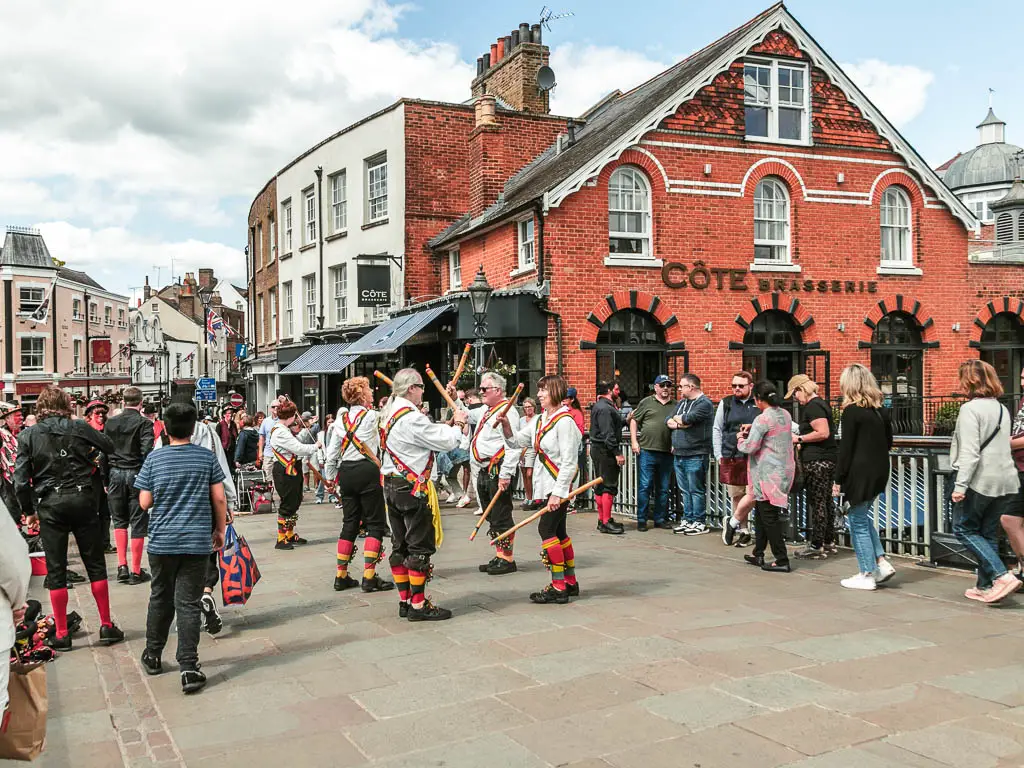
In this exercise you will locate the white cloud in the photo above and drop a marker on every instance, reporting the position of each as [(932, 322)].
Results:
[(587, 73), (899, 90)]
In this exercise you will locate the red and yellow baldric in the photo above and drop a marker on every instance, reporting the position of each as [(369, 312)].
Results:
[(419, 481), (494, 462), (351, 427), (289, 465), (541, 433)]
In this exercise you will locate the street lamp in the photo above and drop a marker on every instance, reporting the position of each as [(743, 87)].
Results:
[(479, 298), (206, 296)]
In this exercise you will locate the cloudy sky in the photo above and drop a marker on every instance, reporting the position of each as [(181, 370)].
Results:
[(136, 134)]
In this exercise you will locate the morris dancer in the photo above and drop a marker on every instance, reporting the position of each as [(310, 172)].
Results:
[(10, 424), (288, 453), (410, 443), (354, 444), (495, 468), (556, 439)]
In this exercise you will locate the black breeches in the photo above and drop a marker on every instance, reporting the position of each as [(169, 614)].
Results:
[(362, 499), (607, 468), (62, 515), (552, 524), (412, 525), (289, 490), (500, 518)]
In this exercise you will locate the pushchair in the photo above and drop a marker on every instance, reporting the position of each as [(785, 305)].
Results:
[(255, 495)]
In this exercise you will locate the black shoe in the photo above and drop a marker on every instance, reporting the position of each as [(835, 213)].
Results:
[(501, 567), (403, 609), (212, 622), (74, 622), (192, 680), (757, 560), (615, 525), (608, 528), (75, 578), (341, 583), (151, 663), (58, 643), (429, 612), (109, 550), (140, 578), (283, 545), (642, 527), (298, 540), (664, 525), (376, 584), (123, 574), (573, 589), (111, 635), (775, 566), (551, 595), (744, 540), (728, 532), (483, 568)]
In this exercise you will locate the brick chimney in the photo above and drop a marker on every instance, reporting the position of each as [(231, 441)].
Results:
[(186, 284), (205, 278), (486, 157), (509, 70), (146, 290)]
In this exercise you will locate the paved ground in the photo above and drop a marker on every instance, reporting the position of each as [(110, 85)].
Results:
[(677, 654)]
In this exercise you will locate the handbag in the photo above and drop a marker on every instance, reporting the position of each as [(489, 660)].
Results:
[(733, 470), (25, 731), (239, 573)]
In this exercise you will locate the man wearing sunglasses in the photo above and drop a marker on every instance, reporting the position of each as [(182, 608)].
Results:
[(650, 438), (734, 411)]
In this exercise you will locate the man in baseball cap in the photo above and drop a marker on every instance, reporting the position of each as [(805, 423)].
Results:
[(651, 438)]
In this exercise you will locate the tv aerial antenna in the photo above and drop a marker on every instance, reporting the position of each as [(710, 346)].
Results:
[(547, 16)]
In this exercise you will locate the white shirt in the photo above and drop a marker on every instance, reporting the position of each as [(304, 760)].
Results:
[(561, 443), (206, 437), (14, 574), (367, 434), (285, 443), (489, 439), (413, 438)]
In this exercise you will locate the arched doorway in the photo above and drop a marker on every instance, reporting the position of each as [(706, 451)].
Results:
[(631, 348), (1002, 345), (772, 347), (897, 361)]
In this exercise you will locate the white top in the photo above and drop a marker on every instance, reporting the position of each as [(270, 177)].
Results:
[(14, 574), (990, 472), (367, 434), (561, 443), (285, 443), (488, 439), (413, 438)]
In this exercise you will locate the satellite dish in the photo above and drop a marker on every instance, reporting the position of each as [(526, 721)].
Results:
[(545, 78)]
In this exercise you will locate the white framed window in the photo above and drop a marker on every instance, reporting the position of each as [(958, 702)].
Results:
[(895, 218), (286, 223), (76, 309), (31, 298), (272, 227), (108, 315), (771, 222), (377, 188), (379, 313), (120, 318), (259, 243), (309, 292), (272, 295), (339, 203), (339, 279), (629, 213), (289, 310), (261, 333), (776, 98), (309, 223), (454, 269), (94, 312), (526, 240), (77, 352), (32, 355)]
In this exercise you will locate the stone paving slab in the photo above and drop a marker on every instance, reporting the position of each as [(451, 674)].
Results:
[(676, 654)]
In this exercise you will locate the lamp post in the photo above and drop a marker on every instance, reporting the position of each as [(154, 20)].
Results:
[(479, 298), (206, 296)]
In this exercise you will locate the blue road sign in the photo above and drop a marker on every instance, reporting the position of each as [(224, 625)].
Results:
[(208, 395), (207, 383)]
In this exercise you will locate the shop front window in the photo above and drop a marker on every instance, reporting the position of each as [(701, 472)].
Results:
[(897, 361), (631, 349), (773, 347)]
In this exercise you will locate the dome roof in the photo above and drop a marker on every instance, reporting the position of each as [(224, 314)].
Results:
[(987, 164)]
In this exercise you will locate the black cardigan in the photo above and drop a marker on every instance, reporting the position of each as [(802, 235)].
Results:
[(862, 470)]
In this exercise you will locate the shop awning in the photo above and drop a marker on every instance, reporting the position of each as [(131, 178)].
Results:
[(391, 335), (321, 358)]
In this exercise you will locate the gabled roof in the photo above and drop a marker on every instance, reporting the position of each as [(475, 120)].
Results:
[(554, 175), (81, 278), (25, 248)]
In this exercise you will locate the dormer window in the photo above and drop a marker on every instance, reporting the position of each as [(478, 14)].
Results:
[(776, 101)]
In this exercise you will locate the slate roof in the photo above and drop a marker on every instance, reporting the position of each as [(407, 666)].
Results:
[(25, 248), (78, 277)]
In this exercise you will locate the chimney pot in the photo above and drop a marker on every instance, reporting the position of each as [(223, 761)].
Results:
[(485, 110), (515, 38), (494, 54), (500, 48), (508, 45), (524, 33), (535, 34)]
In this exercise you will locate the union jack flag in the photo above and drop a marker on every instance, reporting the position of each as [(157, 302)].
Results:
[(214, 323)]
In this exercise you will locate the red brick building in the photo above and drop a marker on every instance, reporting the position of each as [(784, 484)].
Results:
[(748, 207)]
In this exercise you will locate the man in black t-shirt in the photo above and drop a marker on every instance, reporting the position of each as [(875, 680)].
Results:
[(816, 442)]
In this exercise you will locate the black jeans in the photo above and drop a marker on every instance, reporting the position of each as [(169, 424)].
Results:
[(123, 499), (769, 531), (71, 513), (176, 588), (362, 499)]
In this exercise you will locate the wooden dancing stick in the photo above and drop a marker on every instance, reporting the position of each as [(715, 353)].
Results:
[(440, 388), (462, 364), (542, 510), (511, 400), (485, 514), (384, 378), (320, 478)]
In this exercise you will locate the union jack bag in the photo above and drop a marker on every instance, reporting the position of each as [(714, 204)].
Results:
[(238, 570)]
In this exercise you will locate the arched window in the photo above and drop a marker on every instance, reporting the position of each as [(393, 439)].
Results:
[(895, 227), (771, 222), (897, 361), (631, 348), (772, 347), (1004, 228), (629, 213), (1002, 345)]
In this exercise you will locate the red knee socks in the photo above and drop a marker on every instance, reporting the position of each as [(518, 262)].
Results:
[(604, 507), (59, 609), (137, 545), (121, 542), (570, 561), (371, 551), (401, 576), (556, 560), (417, 585), (344, 555), (101, 595)]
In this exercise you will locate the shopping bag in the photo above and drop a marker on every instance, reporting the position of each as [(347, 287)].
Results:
[(238, 570), (26, 722)]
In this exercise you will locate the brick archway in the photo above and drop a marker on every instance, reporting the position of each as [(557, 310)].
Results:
[(765, 302), (1004, 305), (771, 166), (638, 300), (899, 303)]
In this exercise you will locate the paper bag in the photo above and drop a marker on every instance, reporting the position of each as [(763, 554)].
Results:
[(26, 726)]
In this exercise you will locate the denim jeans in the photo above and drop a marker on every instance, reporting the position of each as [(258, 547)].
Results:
[(976, 525), (692, 479), (655, 475), (866, 543)]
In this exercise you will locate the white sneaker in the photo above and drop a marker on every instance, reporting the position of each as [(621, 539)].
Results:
[(451, 498), (683, 527), (697, 529), (860, 581), (884, 571), (478, 512), (463, 502)]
